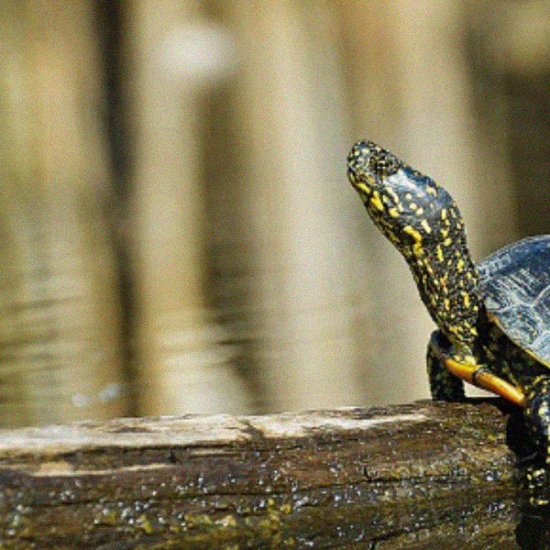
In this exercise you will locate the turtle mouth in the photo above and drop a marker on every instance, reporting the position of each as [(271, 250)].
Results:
[(363, 182), (352, 172), (361, 166)]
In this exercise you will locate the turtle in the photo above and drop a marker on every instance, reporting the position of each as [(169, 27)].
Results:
[(493, 317)]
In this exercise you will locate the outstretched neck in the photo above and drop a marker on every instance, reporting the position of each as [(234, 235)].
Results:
[(424, 223), (447, 279)]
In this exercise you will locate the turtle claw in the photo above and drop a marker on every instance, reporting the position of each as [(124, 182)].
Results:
[(444, 386)]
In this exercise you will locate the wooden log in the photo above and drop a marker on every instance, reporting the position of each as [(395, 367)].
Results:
[(415, 476)]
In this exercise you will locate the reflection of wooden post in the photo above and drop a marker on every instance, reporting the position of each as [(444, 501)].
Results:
[(79, 263), (62, 324), (183, 366), (17, 235), (510, 45), (292, 112)]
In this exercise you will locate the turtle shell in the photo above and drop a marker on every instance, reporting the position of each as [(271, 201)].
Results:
[(515, 286)]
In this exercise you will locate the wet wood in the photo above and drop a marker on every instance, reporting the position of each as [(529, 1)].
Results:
[(418, 476)]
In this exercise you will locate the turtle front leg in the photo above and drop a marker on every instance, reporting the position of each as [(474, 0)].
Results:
[(444, 386), (445, 369)]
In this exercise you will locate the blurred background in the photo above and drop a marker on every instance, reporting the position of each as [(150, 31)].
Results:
[(177, 232)]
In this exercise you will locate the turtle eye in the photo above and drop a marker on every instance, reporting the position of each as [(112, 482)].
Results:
[(385, 164), (368, 158)]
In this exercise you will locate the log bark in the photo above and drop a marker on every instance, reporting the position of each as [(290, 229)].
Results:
[(418, 476)]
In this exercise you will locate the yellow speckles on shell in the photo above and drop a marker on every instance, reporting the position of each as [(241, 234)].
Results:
[(460, 265), (439, 253), (426, 226), (465, 299), (443, 214), (447, 242)]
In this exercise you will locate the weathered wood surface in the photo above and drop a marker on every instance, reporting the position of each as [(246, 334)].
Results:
[(417, 477)]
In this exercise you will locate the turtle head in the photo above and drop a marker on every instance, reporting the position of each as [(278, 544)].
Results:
[(409, 208), (422, 220)]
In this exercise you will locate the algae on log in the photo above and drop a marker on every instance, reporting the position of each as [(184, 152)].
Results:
[(414, 476)]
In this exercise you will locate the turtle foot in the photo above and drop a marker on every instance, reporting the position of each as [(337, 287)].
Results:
[(444, 386)]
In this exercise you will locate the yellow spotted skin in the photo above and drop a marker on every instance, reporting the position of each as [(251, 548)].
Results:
[(427, 230), (502, 348)]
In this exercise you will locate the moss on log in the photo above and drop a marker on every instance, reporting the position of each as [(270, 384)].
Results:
[(419, 476)]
